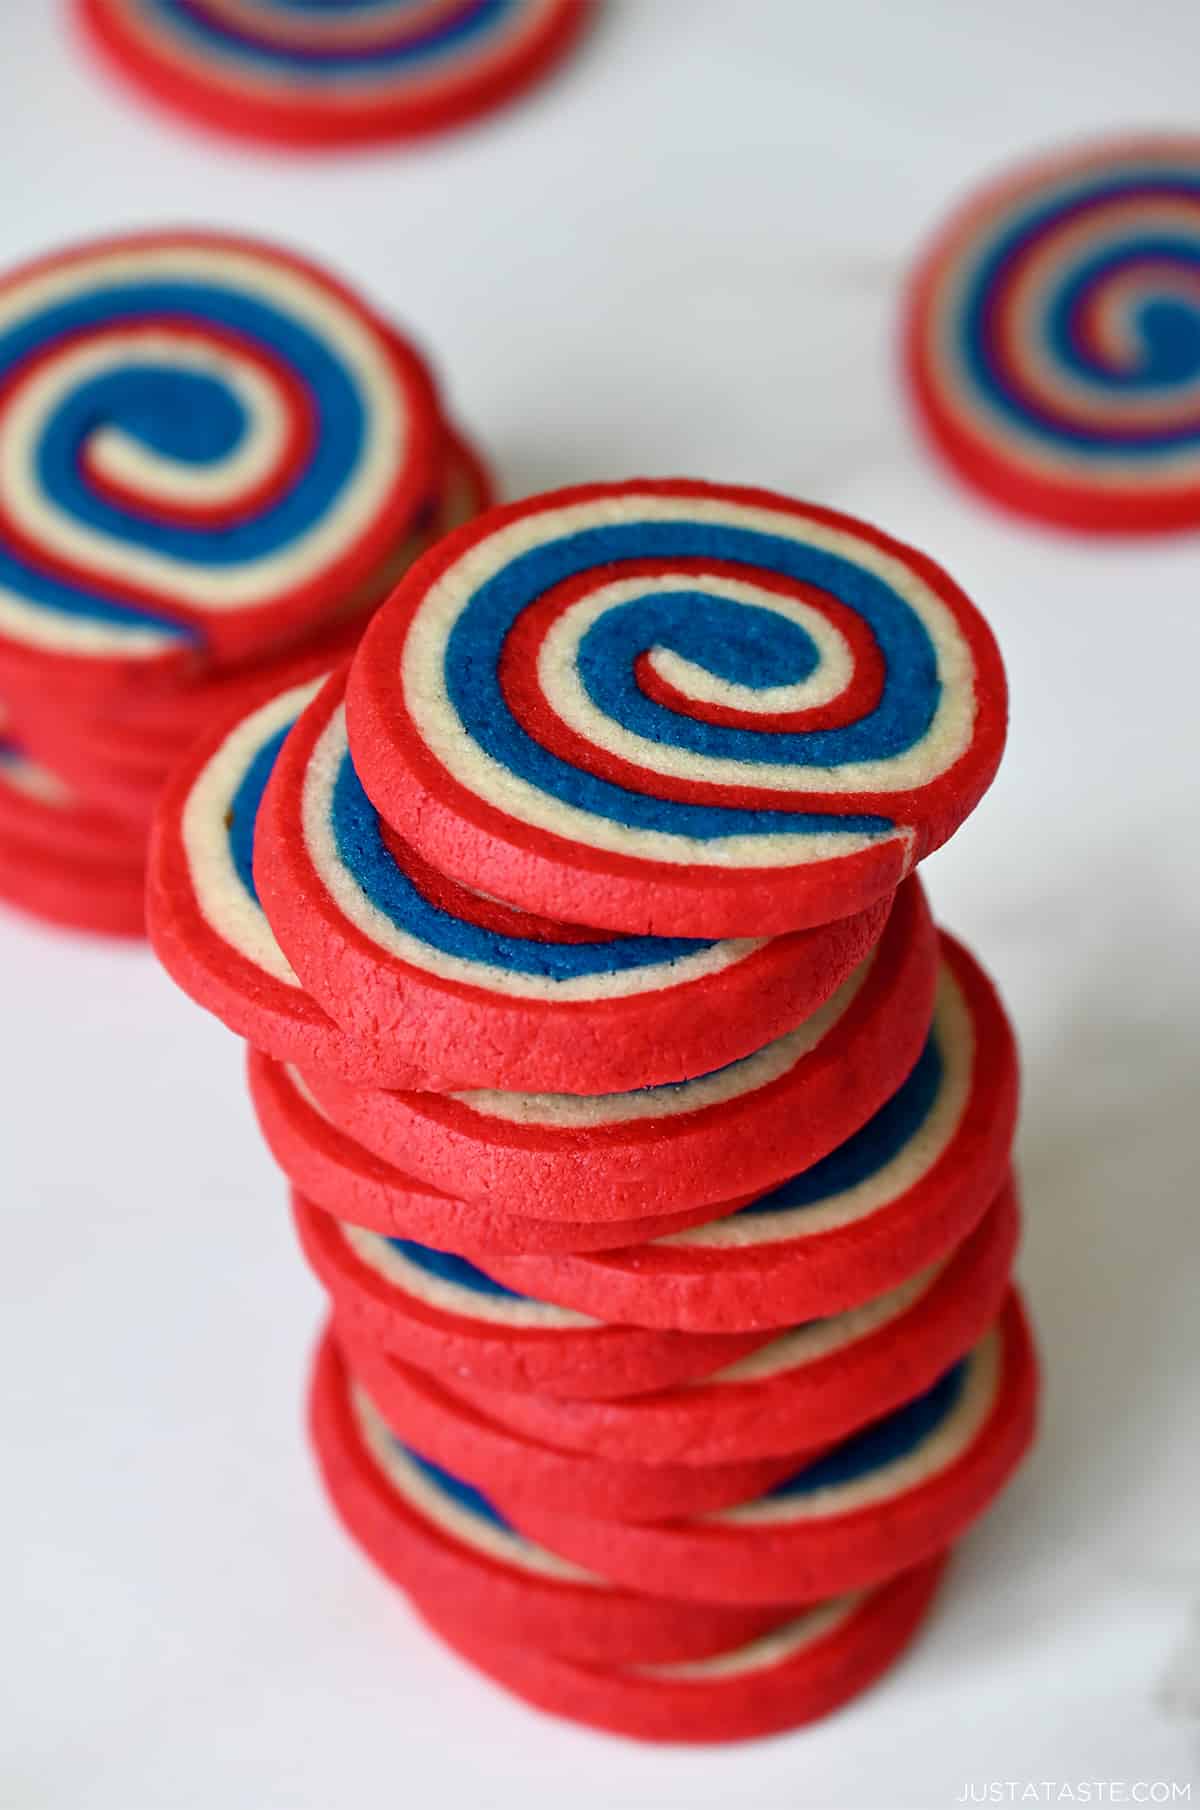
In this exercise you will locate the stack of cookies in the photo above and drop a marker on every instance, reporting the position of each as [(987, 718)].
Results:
[(651, 1143), (215, 461)]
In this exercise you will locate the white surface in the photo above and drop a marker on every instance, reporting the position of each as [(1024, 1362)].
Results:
[(680, 256)]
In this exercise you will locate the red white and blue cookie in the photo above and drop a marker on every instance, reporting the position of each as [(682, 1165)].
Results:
[(207, 448), (479, 993), (654, 1150), (886, 1498), (346, 1179), (678, 708), (1052, 342), (203, 913), (450, 1315), (803, 1389), (895, 1196), (318, 73), (428, 1530), (508, 1466), (803, 1670)]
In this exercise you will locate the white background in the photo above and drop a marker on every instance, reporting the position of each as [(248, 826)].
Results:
[(680, 256)]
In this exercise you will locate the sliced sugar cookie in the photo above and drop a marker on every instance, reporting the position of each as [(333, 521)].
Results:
[(507, 1465), (480, 993), (805, 1388), (665, 1149), (895, 1196), (887, 1498), (678, 708), (1052, 342), (205, 920), (207, 446), (346, 1179), (808, 1667), (427, 1529), (317, 76), (450, 1315)]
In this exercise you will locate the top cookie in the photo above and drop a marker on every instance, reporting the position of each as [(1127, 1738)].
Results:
[(327, 72), (208, 448), (1052, 338), (676, 708)]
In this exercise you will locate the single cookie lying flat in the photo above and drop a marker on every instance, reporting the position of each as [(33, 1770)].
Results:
[(1051, 340)]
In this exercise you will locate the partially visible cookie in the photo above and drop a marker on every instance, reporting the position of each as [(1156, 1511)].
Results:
[(346, 1179), (507, 1465), (1051, 336), (210, 445), (312, 77), (450, 1315)]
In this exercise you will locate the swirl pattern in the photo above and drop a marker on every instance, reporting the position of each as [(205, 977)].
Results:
[(295, 70), (672, 706), (202, 443), (1054, 339)]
